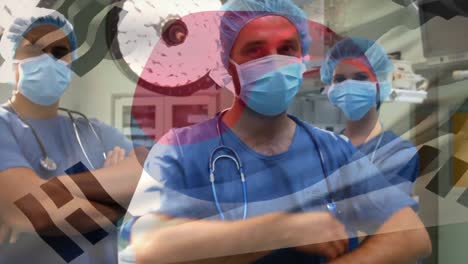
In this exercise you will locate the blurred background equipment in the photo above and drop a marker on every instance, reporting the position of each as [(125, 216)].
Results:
[(460, 75), (408, 86), (444, 21), (443, 26), (167, 47)]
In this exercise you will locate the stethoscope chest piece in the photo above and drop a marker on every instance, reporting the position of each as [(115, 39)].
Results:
[(48, 164)]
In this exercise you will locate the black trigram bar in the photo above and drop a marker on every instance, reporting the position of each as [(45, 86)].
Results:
[(427, 155), (83, 223), (447, 176), (57, 192), (117, 211), (463, 199), (57, 240)]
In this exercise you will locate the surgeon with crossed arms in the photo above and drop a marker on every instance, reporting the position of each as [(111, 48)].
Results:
[(255, 185), (41, 149)]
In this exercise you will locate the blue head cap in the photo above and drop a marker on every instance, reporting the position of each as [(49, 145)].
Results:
[(14, 34), (239, 13), (373, 54)]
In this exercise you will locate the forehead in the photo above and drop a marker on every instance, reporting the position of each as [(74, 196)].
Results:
[(353, 65), (267, 28), (46, 35)]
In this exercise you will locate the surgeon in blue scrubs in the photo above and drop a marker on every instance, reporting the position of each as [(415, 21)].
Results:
[(279, 190), (38, 50), (359, 74)]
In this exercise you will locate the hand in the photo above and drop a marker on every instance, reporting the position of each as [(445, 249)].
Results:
[(330, 250), (114, 157), (322, 235), (7, 234)]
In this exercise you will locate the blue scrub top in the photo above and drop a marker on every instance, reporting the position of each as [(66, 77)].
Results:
[(395, 157), (177, 173), (19, 148)]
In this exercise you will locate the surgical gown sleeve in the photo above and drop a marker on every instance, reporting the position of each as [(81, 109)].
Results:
[(10, 152), (373, 199), (111, 137), (159, 190), (402, 168), (162, 176), (396, 158), (411, 170)]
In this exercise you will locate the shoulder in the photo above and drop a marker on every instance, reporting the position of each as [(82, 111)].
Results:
[(390, 137), (6, 116), (325, 136), (8, 119), (195, 134), (175, 152), (95, 122), (104, 130), (177, 139), (393, 143), (335, 149)]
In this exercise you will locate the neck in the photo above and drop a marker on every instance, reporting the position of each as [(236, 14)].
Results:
[(27, 109), (249, 125), (363, 130)]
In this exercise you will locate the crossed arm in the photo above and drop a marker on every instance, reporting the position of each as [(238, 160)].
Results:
[(401, 239), (117, 181)]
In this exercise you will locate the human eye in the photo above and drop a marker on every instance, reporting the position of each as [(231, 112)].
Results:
[(288, 50), (339, 78), (59, 51), (361, 76), (253, 51)]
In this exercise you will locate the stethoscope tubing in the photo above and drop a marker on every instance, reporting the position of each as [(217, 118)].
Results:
[(78, 137), (331, 206), (45, 155)]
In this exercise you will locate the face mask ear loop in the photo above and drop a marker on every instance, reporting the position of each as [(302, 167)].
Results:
[(236, 66), (238, 73), (379, 103)]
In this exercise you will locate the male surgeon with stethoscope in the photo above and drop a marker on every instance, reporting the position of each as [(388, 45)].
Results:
[(255, 185), (41, 151)]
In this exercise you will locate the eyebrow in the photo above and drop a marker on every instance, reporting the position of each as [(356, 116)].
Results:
[(354, 74), (256, 43), (294, 41), (252, 44), (362, 73)]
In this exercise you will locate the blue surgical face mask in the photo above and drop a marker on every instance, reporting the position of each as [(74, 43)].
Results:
[(43, 79), (269, 84), (354, 98)]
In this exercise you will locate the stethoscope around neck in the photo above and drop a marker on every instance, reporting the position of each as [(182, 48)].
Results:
[(237, 161), (46, 161), (231, 154)]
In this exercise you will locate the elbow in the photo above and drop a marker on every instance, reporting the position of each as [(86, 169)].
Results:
[(421, 243), (146, 251), (35, 223), (149, 246), (147, 242), (426, 244), (142, 254)]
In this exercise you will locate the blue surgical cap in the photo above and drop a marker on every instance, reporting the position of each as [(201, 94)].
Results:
[(239, 13), (370, 51), (14, 34)]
